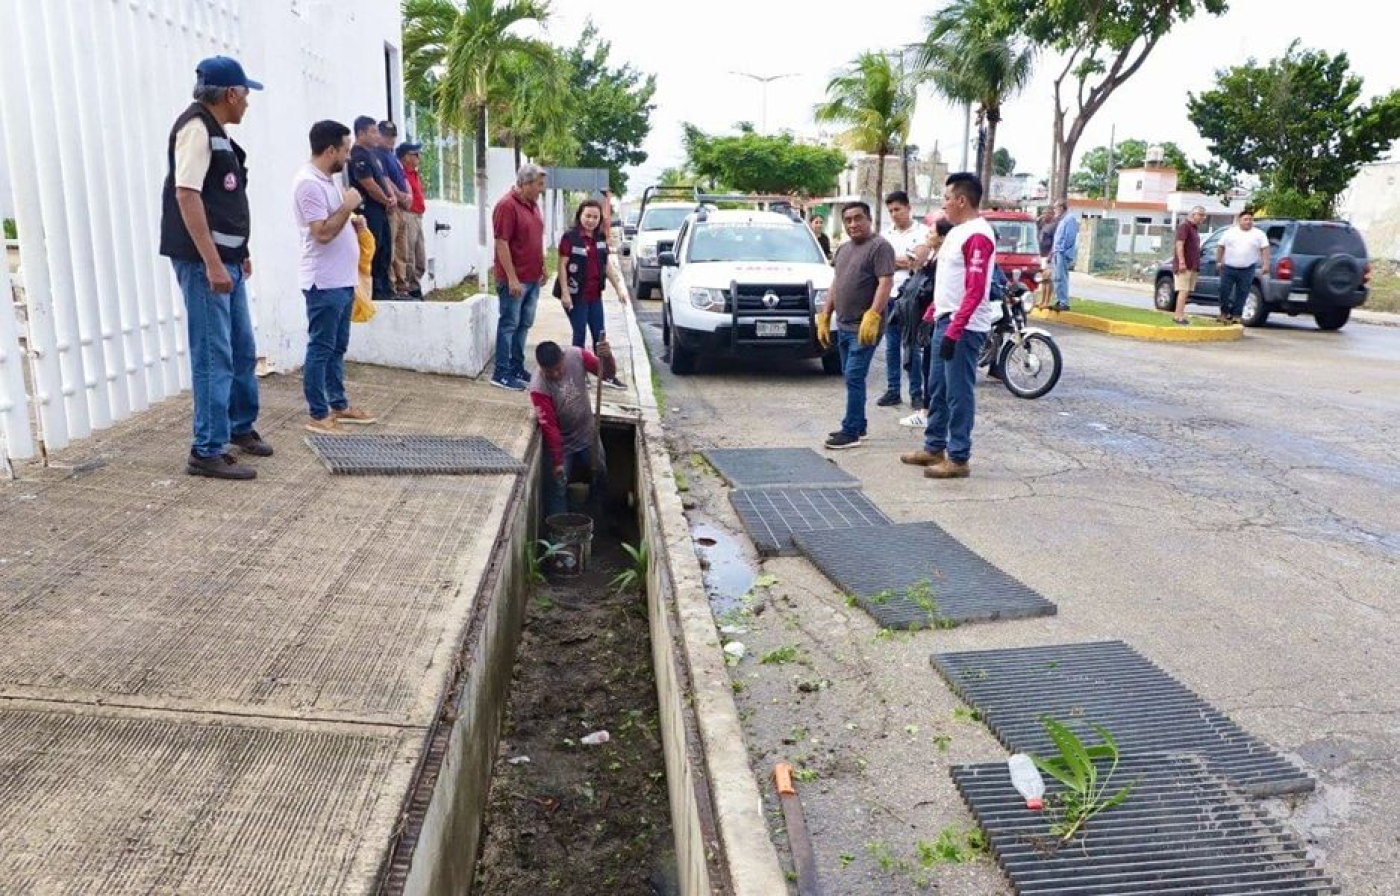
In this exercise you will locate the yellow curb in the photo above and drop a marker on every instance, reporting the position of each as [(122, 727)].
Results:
[(1149, 332)]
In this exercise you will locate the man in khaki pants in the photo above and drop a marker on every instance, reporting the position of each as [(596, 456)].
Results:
[(1186, 261), (414, 254), (398, 207)]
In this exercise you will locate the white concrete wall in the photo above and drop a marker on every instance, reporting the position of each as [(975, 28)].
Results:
[(1372, 204), (452, 254), (456, 338)]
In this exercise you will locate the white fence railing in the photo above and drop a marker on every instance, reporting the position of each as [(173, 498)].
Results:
[(88, 92)]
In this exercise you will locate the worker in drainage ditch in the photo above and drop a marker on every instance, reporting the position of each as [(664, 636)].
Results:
[(559, 392)]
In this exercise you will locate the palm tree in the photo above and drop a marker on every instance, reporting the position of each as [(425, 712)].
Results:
[(461, 48), (534, 115), (875, 99), (969, 62)]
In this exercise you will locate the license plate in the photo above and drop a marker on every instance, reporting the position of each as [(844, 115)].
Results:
[(776, 328)]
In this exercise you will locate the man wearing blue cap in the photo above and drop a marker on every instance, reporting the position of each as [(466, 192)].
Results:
[(204, 230)]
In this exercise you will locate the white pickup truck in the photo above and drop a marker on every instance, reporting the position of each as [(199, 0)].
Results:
[(743, 284)]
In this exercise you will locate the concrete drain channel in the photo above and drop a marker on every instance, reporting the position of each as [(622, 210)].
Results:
[(1189, 823), (410, 455)]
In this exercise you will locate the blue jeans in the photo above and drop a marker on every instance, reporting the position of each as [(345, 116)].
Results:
[(952, 401), (894, 337), (556, 491), (1235, 284), (1060, 278), (517, 317), (223, 358), (328, 336), (855, 364), (587, 315), (377, 220)]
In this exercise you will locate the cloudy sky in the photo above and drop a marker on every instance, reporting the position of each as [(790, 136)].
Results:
[(693, 48)]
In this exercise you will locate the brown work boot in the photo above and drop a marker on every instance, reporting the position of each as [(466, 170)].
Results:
[(221, 466), (922, 458), (353, 415), (325, 426), (948, 469), (252, 443)]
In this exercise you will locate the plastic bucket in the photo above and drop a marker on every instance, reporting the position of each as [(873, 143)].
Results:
[(571, 535)]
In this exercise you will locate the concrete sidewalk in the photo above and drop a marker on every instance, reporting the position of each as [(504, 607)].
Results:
[(224, 687)]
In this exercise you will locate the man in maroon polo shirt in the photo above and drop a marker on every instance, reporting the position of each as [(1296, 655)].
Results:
[(520, 272), (1186, 260)]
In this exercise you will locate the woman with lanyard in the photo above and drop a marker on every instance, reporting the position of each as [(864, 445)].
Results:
[(583, 265)]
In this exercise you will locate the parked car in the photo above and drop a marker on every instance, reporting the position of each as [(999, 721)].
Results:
[(743, 283), (1316, 267), (660, 216), (1017, 246)]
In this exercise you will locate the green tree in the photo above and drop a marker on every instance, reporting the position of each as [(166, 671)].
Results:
[(969, 60), (611, 108), (758, 163), (1092, 175), (462, 50), (535, 114), (1003, 162), (1100, 44), (1298, 124), (874, 98)]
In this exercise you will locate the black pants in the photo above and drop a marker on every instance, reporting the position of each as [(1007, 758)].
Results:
[(377, 219)]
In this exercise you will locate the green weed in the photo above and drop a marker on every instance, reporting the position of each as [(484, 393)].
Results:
[(1086, 793), (788, 653), (634, 577)]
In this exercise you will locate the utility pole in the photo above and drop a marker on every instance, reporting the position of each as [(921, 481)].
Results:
[(967, 133), (764, 81)]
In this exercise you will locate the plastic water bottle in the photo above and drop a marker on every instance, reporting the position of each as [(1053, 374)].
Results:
[(1025, 777)]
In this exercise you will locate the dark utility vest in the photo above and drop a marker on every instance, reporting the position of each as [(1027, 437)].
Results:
[(578, 257), (225, 196)]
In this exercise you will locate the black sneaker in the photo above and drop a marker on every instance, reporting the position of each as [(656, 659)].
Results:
[(615, 383), (251, 443), (832, 435), (220, 467), (888, 400), (842, 440)]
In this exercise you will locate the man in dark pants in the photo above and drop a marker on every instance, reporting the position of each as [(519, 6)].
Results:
[(367, 176), (204, 229), (859, 292), (962, 318)]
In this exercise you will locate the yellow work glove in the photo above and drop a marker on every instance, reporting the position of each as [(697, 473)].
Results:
[(869, 328), (824, 329)]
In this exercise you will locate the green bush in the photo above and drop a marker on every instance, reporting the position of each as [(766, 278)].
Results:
[(11, 232)]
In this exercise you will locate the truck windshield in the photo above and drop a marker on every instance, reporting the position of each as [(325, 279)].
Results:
[(1015, 237), (788, 243), (664, 218)]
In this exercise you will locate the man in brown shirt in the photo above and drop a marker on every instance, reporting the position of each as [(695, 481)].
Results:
[(1186, 260), (859, 291)]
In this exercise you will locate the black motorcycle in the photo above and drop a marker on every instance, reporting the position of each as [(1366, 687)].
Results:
[(1025, 358)]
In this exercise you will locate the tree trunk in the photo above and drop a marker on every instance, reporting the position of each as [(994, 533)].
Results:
[(482, 199), (879, 188), (516, 144), (989, 151)]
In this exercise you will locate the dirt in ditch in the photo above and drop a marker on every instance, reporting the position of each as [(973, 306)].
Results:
[(575, 818)]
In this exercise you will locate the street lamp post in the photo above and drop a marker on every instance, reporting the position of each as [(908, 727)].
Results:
[(764, 81)]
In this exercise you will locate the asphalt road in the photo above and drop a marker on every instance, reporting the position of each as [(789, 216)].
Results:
[(1231, 510)]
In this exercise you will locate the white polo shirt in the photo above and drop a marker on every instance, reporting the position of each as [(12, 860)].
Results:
[(904, 242), (1243, 247)]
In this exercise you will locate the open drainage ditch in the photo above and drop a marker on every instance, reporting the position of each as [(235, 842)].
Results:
[(565, 812)]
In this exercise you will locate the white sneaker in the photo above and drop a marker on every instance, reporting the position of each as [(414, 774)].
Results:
[(916, 420)]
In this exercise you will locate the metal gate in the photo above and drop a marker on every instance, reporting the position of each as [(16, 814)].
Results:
[(83, 85)]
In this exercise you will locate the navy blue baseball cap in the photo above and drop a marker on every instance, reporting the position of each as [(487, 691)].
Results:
[(406, 148), (221, 71)]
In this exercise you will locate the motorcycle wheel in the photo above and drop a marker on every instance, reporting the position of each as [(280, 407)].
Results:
[(1031, 368)]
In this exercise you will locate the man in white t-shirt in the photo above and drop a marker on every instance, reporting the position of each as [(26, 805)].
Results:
[(908, 237), (330, 265), (1241, 253), (962, 319)]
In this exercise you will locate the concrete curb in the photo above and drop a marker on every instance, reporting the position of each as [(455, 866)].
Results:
[(1147, 332)]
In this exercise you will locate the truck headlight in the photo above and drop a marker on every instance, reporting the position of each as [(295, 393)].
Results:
[(704, 299), (818, 299), (647, 252)]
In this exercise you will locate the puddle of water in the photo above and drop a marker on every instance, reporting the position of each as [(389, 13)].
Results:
[(728, 576)]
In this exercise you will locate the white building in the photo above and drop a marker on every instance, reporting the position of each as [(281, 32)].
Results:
[(1148, 207), (88, 92), (1372, 204)]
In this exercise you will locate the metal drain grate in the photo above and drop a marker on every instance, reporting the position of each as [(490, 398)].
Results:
[(1182, 830), (409, 455), (771, 515), (778, 468), (915, 575), (1110, 684)]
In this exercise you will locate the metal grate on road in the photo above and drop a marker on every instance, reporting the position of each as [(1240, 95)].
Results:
[(778, 468), (1181, 830), (915, 575), (770, 516), (389, 455), (1110, 684)]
